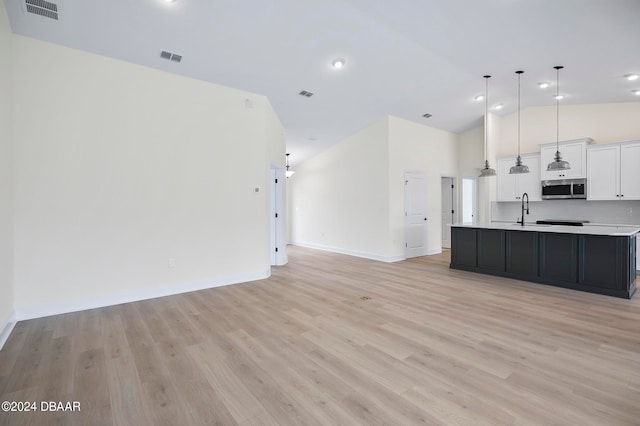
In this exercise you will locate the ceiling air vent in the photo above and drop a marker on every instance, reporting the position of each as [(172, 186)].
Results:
[(170, 56), (427, 115), (42, 8), (305, 94)]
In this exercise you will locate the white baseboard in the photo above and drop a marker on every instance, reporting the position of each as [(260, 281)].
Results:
[(7, 328), (39, 311), (362, 254), (430, 252)]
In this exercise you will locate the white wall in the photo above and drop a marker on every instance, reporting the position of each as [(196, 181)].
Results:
[(603, 123), (6, 182), (273, 132), (350, 198), (471, 156), (119, 168), (471, 152), (470, 161), (414, 146), (340, 198)]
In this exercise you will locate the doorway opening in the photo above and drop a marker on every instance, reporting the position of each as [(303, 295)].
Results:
[(469, 200)]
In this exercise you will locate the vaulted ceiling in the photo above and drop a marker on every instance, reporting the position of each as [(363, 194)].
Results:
[(404, 58)]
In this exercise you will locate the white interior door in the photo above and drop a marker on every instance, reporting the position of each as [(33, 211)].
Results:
[(447, 210), (415, 206)]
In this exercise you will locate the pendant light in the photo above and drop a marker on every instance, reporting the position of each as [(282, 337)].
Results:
[(558, 163), (519, 168), (288, 173), (486, 171)]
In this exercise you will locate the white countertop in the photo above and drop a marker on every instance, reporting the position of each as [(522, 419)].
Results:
[(614, 231)]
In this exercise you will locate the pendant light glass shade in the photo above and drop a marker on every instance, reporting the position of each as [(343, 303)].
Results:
[(558, 163), (519, 168), (288, 173), (486, 170)]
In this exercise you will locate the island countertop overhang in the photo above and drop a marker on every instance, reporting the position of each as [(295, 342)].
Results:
[(613, 231)]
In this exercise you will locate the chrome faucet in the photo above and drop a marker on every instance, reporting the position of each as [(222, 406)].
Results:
[(521, 221)]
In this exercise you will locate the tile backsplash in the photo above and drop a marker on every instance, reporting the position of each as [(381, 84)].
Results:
[(601, 212)]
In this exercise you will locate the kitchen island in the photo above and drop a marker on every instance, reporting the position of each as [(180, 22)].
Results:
[(597, 259)]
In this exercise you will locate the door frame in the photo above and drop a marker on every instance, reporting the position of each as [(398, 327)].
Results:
[(277, 216), (454, 203)]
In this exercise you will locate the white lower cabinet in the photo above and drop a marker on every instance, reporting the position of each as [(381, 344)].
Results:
[(613, 171), (511, 187)]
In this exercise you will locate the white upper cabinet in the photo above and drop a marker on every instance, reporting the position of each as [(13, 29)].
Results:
[(614, 171), (603, 176), (511, 187), (630, 170), (574, 152)]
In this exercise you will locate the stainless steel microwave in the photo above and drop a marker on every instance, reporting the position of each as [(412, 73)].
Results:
[(564, 189)]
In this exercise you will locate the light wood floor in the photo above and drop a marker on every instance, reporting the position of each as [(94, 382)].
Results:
[(332, 339)]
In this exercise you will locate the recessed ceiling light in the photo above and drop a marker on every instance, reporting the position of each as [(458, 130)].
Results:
[(499, 106), (338, 63), (636, 92), (543, 85), (631, 77), (558, 97), (479, 97)]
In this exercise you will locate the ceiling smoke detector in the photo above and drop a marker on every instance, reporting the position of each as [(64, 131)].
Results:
[(43, 8)]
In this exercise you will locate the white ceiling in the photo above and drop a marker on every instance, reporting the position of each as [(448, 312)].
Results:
[(404, 58)]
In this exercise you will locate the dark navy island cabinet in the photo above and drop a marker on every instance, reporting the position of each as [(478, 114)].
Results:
[(558, 257), (522, 253), (604, 264)]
